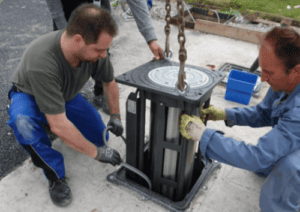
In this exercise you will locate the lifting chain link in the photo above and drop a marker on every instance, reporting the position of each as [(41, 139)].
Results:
[(181, 41), (167, 27)]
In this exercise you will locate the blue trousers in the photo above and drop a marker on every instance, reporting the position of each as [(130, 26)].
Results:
[(281, 189), (27, 122)]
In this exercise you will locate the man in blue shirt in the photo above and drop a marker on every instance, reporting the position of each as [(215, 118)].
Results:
[(277, 154)]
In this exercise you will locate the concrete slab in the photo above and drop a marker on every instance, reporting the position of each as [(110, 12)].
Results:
[(228, 188)]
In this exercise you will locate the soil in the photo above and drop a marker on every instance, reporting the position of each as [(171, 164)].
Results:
[(205, 6)]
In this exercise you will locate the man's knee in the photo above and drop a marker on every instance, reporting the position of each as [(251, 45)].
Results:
[(280, 189), (25, 126), (291, 163)]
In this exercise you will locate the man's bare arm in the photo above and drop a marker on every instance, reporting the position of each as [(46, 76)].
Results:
[(70, 135), (111, 92)]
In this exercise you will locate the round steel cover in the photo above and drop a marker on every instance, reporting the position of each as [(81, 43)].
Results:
[(168, 76)]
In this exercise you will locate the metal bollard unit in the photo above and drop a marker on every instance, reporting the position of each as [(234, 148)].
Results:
[(172, 163)]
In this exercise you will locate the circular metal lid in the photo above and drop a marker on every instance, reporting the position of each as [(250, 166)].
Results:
[(168, 76)]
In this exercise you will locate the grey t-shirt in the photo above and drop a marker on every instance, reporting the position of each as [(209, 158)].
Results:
[(45, 73)]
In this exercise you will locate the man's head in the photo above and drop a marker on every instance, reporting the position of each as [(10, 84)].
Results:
[(92, 30), (279, 58)]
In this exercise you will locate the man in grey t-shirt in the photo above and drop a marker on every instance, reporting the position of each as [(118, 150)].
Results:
[(60, 11), (45, 89)]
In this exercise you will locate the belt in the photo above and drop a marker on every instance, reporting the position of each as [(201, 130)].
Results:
[(15, 89)]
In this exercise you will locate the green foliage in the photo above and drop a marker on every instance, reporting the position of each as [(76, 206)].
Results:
[(263, 16), (274, 7), (231, 11), (116, 4)]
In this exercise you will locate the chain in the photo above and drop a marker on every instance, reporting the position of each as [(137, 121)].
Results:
[(167, 27), (181, 41)]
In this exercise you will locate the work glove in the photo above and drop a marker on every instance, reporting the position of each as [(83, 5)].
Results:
[(191, 127), (116, 124), (213, 113), (108, 155)]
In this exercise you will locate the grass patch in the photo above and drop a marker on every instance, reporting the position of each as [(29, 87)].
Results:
[(274, 7)]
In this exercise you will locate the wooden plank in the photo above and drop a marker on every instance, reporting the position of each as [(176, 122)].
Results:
[(258, 20), (286, 21), (188, 24), (229, 31), (296, 29)]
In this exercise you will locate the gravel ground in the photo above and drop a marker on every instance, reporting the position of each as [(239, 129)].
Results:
[(248, 25)]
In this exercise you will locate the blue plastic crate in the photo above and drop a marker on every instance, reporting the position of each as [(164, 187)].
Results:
[(240, 86)]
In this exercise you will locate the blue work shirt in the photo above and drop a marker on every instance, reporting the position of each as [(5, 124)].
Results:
[(284, 138)]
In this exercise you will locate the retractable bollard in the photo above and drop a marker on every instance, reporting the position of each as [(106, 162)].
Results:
[(173, 164)]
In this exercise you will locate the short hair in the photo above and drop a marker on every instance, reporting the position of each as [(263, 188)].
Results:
[(89, 21), (286, 43)]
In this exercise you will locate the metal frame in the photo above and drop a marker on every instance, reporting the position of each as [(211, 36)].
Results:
[(119, 178), (190, 170)]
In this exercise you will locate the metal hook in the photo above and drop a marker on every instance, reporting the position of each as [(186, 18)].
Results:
[(187, 88), (170, 55)]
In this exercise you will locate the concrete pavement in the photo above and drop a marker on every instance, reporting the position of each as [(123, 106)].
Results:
[(228, 189)]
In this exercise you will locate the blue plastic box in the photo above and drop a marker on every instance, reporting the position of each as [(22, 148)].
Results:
[(240, 86)]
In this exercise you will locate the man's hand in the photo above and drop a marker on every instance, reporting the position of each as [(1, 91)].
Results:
[(116, 125), (214, 114), (191, 127), (156, 50), (109, 155)]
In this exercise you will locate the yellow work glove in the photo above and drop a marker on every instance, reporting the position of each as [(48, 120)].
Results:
[(213, 113), (191, 127)]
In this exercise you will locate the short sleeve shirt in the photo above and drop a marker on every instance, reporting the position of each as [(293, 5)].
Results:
[(44, 73)]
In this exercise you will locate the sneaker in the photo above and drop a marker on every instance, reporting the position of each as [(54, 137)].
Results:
[(101, 102), (60, 192)]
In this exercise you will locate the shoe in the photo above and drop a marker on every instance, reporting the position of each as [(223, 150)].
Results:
[(60, 192), (101, 102)]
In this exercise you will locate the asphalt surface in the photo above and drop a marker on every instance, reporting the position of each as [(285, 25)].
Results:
[(20, 23)]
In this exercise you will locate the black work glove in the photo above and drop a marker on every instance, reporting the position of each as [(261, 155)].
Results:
[(108, 155), (116, 125)]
